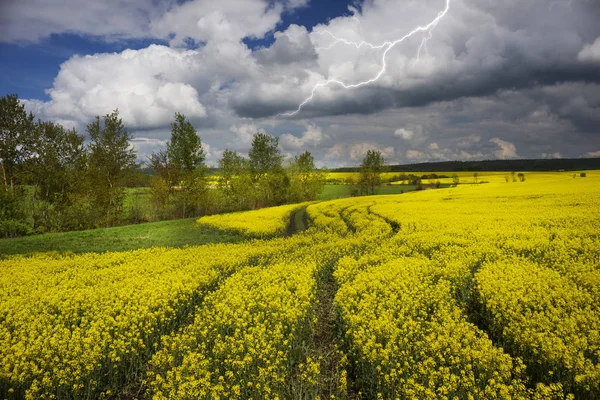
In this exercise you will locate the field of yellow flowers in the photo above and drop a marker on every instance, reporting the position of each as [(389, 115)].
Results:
[(477, 291)]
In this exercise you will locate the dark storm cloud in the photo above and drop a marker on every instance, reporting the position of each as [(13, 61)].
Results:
[(510, 46)]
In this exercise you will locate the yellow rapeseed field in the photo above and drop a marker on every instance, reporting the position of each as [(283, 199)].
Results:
[(488, 291), (266, 222)]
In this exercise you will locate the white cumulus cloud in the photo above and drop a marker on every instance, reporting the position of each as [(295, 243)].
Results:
[(590, 52), (506, 149), (147, 86)]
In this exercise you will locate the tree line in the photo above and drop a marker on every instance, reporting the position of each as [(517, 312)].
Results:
[(52, 180)]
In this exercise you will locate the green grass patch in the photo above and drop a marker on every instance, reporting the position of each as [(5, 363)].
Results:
[(176, 233)]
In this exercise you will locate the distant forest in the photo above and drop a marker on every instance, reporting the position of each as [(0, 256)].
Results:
[(566, 164)]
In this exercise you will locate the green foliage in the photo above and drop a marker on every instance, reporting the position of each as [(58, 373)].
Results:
[(9, 204), (185, 150), (179, 186), (370, 172), (59, 166), (112, 165), (455, 179), (17, 135), (11, 228), (235, 182), (264, 156), (306, 181), (270, 183)]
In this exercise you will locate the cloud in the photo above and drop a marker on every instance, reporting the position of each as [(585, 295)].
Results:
[(243, 135), (144, 147), (478, 49), (590, 52), (403, 133), (291, 46), (592, 154), (415, 155), (551, 155), (201, 20), (358, 151), (506, 149), (147, 86), (33, 20), (310, 139), (217, 20)]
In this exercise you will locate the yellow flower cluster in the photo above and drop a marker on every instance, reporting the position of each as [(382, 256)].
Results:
[(327, 217), (410, 339), (547, 319), (262, 223), (73, 326), (246, 339)]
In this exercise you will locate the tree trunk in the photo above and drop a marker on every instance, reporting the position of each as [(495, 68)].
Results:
[(4, 174)]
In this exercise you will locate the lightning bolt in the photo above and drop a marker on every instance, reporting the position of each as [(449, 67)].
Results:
[(388, 45)]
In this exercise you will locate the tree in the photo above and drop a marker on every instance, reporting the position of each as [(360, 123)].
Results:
[(111, 163), (185, 149), (162, 182), (17, 133), (58, 163), (370, 172), (264, 156), (186, 156), (234, 181), (266, 170), (57, 172), (306, 180), (455, 178)]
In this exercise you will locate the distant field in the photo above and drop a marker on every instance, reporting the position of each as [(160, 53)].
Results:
[(465, 177), (331, 192)]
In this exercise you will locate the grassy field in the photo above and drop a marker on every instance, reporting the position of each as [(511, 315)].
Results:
[(476, 291), (175, 233)]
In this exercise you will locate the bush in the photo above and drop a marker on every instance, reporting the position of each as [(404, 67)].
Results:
[(12, 228), (582, 175)]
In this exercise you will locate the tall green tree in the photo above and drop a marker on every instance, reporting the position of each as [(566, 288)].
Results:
[(265, 165), (186, 156), (17, 136), (371, 168), (112, 165), (234, 181), (185, 149), (59, 162), (265, 156), (306, 180)]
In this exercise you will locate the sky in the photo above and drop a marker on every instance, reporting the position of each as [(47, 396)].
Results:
[(471, 79)]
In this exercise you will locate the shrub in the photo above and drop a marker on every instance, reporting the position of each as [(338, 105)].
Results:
[(13, 228)]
